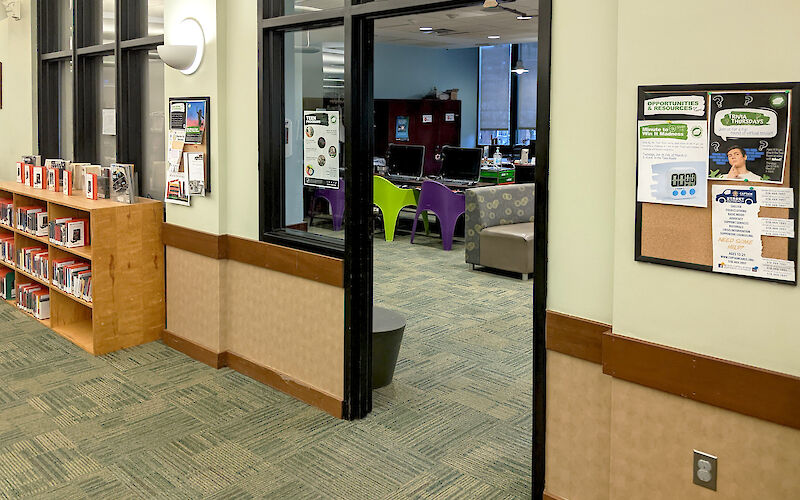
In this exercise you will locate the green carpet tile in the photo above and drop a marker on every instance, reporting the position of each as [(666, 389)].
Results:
[(149, 422)]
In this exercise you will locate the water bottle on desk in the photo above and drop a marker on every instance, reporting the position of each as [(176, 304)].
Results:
[(498, 158)]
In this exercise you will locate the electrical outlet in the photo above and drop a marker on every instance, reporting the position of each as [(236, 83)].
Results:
[(704, 470)]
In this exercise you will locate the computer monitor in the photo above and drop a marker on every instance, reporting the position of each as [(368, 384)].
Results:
[(405, 159), (463, 164)]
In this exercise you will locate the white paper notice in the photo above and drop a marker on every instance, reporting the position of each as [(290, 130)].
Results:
[(776, 197), (737, 230), (109, 122), (673, 162), (777, 227), (321, 149), (197, 173)]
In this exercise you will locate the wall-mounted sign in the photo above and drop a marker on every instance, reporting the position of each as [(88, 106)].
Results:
[(401, 129), (449, 117), (427, 118)]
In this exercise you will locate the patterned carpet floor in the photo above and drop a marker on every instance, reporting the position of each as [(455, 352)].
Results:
[(149, 422)]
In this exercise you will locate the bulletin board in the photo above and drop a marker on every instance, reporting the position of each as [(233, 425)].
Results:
[(687, 233), (189, 133)]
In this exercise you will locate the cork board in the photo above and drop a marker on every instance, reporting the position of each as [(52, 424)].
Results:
[(681, 236), (204, 146)]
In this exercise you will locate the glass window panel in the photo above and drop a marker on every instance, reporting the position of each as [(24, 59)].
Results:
[(152, 170), (305, 6), (495, 92), (97, 24), (106, 112), (63, 24), (314, 72), (526, 92), (155, 17), (65, 110), (143, 18)]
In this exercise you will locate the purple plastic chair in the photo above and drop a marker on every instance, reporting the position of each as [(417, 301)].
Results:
[(447, 205), (335, 198)]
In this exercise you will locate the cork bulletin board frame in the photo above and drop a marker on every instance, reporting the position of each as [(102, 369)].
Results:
[(205, 143), (681, 236)]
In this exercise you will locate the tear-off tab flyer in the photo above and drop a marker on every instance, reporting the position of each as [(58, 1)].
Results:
[(737, 232)]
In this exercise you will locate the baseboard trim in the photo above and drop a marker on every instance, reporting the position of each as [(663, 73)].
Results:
[(550, 496), (576, 337), (267, 376), (194, 351), (748, 390)]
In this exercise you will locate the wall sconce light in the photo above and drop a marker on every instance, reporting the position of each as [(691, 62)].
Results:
[(185, 53), (12, 9)]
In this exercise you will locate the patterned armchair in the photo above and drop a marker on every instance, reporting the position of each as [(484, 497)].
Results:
[(499, 227)]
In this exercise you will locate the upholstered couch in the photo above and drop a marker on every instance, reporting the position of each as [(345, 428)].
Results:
[(499, 228)]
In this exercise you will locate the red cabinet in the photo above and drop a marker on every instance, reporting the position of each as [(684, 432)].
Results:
[(432, 123)]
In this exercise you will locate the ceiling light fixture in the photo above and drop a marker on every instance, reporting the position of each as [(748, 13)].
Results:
[(519, 68), (493, 37), (426, 29), (524, 17)]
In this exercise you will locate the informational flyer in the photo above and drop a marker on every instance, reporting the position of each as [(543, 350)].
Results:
[(195, 121), (177, 115), (177, 179), (737, 230), (749, 136), (321, 149), (401, 129), (197, 173), (673, 162)]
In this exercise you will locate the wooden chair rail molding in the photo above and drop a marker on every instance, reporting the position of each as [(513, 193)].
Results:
[(748, 390), (324, 269)]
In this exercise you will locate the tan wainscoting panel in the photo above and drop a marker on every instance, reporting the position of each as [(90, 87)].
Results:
[(745, 389), (578, 428), (577, 337), (289, 324), (194, 302), (653, 434)]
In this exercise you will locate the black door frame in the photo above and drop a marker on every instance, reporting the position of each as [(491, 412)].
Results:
[(358, 21)]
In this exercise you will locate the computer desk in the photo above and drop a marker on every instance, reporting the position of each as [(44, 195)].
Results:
[(450, 185)]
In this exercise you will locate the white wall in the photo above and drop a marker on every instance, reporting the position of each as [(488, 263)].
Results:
[(582, 159), (18, 123), (712, 41)]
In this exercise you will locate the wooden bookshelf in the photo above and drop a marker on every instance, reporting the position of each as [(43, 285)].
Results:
[(127, 259)]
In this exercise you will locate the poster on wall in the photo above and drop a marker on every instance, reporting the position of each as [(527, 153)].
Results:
[(195, 121), (749, 135), (737, 230), (177, 115), (321, 149), (401, 129), (176, 188), (672, 151)]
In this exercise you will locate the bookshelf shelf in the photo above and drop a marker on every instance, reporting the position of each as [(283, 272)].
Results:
[(127, 259)]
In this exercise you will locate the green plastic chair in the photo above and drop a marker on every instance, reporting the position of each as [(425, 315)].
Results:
[(390, 199)]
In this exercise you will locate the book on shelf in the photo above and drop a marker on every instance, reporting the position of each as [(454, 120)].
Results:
[(29, 175), (69, 232), (7, 249), (32, 159), (27, 262), (66, 183), (82, 285), (6, 211), (21, 169), (90, 187), (42, 226), (34, 299), (104, 183), (123, 183), (7, 289), (26, 219), (78, 170), (73, 277)]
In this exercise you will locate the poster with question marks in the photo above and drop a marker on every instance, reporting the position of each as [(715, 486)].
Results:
[(748, 135)]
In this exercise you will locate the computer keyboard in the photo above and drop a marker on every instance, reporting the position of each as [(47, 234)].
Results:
[(402, 178), (458, 182)]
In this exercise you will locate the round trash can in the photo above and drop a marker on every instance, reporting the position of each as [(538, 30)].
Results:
[(387, 334)]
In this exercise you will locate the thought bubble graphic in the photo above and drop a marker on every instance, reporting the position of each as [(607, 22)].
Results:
[(747, 100), (718, 99), (715, 145), (746, 123)]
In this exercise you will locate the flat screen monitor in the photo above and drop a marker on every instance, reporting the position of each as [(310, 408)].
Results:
[(405, 159), (463, 164)]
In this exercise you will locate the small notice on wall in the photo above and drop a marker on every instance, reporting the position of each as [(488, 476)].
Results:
[(321, 149), (737, 230)]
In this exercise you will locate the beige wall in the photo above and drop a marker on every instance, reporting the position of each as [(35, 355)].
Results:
[(18, 116), (700, 42), (582, 152)]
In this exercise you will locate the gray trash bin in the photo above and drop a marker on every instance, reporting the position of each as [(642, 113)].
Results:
[(387, 334)]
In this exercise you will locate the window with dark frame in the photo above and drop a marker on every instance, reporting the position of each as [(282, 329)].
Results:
[(100, 95), (507, 100)]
